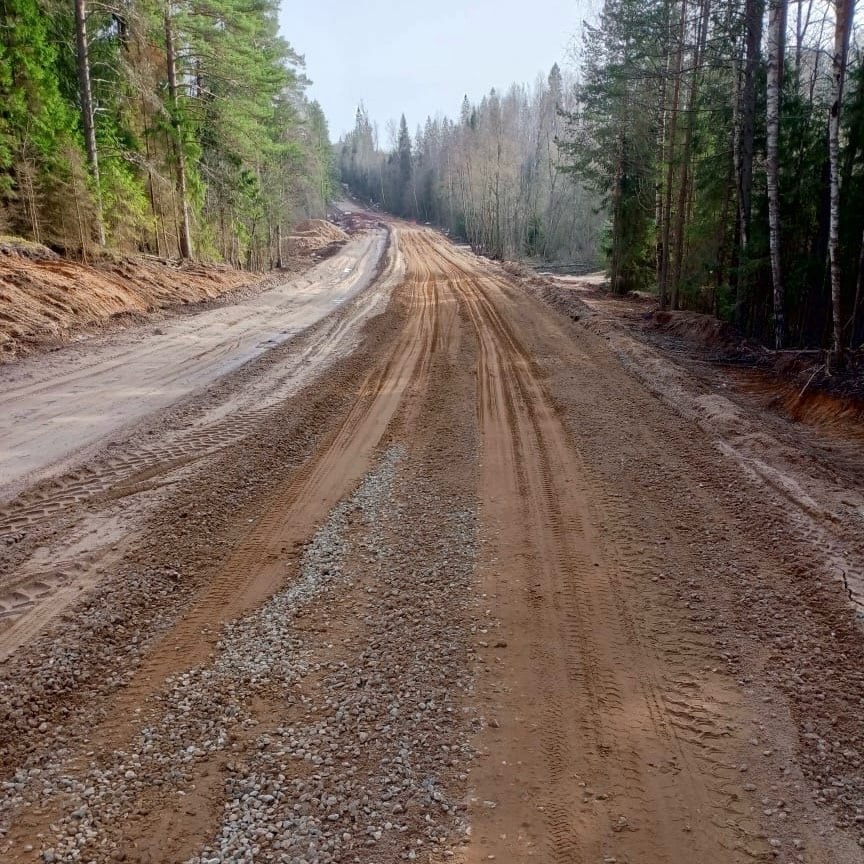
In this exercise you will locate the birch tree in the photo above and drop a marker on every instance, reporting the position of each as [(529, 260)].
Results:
[(777, 12), (844, 11), (491, 176), (746, 244)]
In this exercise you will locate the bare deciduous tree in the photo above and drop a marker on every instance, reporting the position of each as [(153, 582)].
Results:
[(87, 114)]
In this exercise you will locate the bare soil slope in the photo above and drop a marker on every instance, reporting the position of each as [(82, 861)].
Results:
[(45, 298), (314, 235), (53, 405)]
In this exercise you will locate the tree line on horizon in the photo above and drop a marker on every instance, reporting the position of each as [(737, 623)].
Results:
[(169, 127), (491, 176)]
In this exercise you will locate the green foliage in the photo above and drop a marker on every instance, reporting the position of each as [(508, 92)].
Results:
[(657, 132), (256, 152), (125, 202), (35, 122), (609, 140), (32, 112)]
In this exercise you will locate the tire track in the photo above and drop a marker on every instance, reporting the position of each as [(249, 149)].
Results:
[(631, 762), (613, 729), (262, 562), (56, 513), (108, 478)]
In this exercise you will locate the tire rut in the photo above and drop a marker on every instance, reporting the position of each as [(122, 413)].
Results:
[(608, 712)]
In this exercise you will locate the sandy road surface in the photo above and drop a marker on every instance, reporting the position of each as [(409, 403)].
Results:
[(52, 407), (473, 594), (61, 534)]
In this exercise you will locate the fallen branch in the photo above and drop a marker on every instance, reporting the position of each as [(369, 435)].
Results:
[(809, 382)]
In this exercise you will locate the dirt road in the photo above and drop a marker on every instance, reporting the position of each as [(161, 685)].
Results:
[(467, 591), (51, 410)]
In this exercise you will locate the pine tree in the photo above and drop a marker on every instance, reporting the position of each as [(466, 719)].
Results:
[(406, 170), (35, 122)]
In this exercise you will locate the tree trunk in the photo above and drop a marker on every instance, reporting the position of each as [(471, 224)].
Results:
[(616, 277), (776, 49), (25, 171), (801, 25), (844, 13), (727, 239), (151, 192), (859, 285), (179, 154), (753, 15), (670, 155), (684, 184), (86, 96), (662, 122)]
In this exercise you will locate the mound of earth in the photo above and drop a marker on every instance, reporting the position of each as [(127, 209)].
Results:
[(314, 236), (44, 298), (698, 328), (355, 222)]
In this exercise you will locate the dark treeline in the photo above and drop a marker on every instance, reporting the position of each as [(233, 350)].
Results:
[(490, 177), (174, 128), (728, 141)]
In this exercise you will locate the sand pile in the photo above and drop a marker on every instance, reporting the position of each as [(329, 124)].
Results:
[(315, 235)]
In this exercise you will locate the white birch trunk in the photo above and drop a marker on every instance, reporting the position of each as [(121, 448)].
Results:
[(845, 11), (776, 46)]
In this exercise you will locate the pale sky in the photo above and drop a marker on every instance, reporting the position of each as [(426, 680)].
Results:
[(421, 57)]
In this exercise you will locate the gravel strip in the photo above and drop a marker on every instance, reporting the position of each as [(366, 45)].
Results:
[(369, 761), (383, 740)]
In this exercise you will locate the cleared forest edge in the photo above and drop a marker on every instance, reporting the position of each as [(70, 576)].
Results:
[(747, 412), (82, 504), (48, 300), (803, 385)]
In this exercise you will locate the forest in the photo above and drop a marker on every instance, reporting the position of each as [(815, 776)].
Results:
[(491, 177), (711, 151), (178, 129)]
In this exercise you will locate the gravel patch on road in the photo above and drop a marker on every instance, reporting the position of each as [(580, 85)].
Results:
[(68, 674), (360, 746), (382, 736)]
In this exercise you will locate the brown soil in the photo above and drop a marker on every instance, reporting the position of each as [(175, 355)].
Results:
[(47, 299), (53, 406), (593, 615), (806, 385), (817, 407), (704, 330), (314, 236), (100, 498)]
